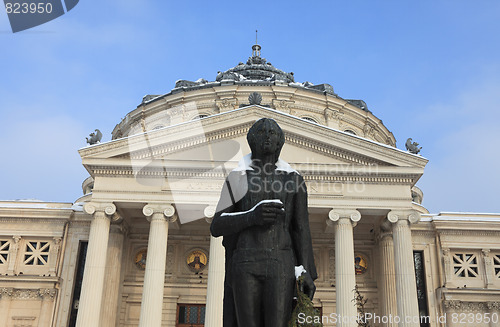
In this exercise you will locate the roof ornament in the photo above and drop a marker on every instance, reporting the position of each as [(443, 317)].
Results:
[(94, 137), (412, 147), (255, 98), (256, 47)]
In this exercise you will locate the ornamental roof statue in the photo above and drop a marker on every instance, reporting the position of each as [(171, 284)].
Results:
[(256, 68)]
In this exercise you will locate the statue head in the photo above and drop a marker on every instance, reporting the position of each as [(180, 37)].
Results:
[(265, 137)]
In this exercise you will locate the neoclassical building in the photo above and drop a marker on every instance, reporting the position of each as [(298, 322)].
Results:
[(135, 249)]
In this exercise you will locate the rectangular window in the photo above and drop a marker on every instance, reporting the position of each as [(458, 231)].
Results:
[(77, 289), (190, 315), (418, 260)]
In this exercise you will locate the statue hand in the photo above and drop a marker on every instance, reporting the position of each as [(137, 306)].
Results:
[(267, 213), (307, 285)]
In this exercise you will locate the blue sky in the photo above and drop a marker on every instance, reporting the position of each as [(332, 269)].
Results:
[(429, 69)]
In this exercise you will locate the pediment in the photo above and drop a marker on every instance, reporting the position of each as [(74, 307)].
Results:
[(222, 138)]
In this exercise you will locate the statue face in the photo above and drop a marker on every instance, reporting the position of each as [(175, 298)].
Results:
[(267, 139)]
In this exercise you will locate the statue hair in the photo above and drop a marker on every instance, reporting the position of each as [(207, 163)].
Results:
[(252, 135)]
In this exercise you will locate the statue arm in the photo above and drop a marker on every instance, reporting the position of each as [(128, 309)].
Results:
[(301, 234), (226, 221)]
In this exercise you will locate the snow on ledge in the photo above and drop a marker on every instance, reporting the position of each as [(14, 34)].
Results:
[(461, 216)]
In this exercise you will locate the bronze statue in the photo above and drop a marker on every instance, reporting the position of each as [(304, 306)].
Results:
[(262, 215)]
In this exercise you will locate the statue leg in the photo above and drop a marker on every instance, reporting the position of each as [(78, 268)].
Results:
[(229, 313), (247, 292), (278, 299)]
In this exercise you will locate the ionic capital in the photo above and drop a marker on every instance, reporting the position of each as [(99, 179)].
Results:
[(335, 214), (109, 209), (411, 216), (154, 210), (209, 213)]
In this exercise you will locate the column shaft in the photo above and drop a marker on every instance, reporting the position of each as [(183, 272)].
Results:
[(387, 279), (111, 296), (345, 278), (46, 310), (406, 287), (215, 287), (93, 277), (4, 306), (154, 279)]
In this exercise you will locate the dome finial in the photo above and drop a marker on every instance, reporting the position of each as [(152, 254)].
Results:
[(256, 47)]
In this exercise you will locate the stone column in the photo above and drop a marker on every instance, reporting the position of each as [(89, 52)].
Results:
[(387, 279), (47, 295), (93, 278), (111, 295), (216, 271), (5, 297), (345, 276), (406, 285), (154, 278)]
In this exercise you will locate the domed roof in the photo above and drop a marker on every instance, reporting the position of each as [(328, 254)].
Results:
[(256, 68)]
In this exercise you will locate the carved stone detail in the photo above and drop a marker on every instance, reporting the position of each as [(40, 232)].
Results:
[(91, 207), (209, 213), (452, 304), (170, 259), (226, 104), (167, 211), (283, 105), (493, 305), (335, 214), (6, 292), (412, 216), (331, 265), (47, 293)]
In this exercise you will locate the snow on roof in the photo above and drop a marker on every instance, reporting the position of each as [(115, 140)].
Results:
[(30, 204), (462, 216)]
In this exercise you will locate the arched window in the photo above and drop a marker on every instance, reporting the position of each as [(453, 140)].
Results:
[(310, 119), (350, 132), (200, 116)]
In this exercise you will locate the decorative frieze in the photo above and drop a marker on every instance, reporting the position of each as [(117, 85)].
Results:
[(28, 294), (226, 104), (47, 293), (458, 305)]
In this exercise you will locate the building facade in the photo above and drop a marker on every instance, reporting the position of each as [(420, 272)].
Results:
[(135, 249)]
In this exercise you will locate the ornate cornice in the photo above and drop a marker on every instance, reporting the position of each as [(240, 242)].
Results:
[(293, 122)]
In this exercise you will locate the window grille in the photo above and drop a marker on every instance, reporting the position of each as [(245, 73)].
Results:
[(36, 253), (4, 252), (465, 265), (496, 265), (190, 315)]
